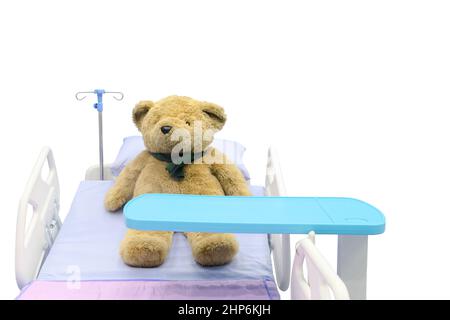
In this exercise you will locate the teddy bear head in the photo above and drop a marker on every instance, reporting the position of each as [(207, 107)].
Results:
[(178, 123)]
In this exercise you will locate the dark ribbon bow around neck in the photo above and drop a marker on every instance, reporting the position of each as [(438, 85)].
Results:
[(176, 171)]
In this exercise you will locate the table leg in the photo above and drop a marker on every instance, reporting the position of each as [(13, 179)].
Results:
[(352, 264)]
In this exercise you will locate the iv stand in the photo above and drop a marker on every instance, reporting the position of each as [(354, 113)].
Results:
[(99, 107)]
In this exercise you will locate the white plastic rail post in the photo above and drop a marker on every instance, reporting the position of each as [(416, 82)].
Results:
[(280, 243), (321, 280), (352, 264)]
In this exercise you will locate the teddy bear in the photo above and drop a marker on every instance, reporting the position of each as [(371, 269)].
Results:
[(177, 133)]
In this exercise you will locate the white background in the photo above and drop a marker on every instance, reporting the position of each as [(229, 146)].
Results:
[(355, 94)]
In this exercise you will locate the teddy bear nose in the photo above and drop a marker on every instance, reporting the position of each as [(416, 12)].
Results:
[(166, 129)]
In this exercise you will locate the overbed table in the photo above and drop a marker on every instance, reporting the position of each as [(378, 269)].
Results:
[(351, 219)]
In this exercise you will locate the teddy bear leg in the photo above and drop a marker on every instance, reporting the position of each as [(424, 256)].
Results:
[(212, 249), (145, 248)]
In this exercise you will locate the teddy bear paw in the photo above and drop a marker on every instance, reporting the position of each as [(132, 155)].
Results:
[(215, 249), (143, 252), (114, 201)]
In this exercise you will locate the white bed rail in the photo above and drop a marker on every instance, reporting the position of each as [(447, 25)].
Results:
[(322, 283), (280, 243), (38, 221)]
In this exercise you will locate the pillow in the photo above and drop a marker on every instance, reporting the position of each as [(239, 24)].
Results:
[(133, 145)]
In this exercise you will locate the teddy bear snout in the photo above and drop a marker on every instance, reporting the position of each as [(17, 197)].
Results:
[(166, 129)]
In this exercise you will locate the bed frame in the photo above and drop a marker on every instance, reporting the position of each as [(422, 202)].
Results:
[(36, 232)]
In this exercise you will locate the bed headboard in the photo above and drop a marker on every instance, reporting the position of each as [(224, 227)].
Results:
[(93, 173), (38, 220)]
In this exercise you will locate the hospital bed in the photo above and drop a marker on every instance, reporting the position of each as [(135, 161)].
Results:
[(79, 259)]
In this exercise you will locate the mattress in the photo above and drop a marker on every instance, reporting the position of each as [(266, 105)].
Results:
[(86, 252)]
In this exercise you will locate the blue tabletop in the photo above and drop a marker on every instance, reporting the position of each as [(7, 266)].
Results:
[(235, 214)]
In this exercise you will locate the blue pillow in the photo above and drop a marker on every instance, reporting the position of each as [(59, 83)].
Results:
[(133, 145)]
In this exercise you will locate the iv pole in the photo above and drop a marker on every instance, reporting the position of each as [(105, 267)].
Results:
[(99, 107)]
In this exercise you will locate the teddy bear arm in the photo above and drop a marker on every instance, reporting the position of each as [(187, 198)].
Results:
[(231, 179), (122, 190)]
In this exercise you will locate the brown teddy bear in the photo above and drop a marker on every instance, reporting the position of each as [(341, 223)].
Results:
[(177, 132)]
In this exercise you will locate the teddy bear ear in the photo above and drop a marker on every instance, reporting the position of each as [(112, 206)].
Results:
[(216, 114), (140, 110)]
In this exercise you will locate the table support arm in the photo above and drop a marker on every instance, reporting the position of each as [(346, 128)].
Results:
[(352, 264)]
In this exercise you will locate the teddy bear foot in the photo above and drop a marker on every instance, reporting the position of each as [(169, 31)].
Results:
[(144, 250), (214, 249)]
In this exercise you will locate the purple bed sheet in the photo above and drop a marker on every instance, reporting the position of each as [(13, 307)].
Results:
[(89, 241), (151, 290)]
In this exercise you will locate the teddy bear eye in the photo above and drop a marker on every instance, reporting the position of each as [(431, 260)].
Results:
[(188, 123)]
